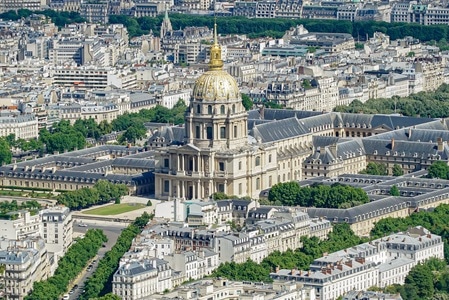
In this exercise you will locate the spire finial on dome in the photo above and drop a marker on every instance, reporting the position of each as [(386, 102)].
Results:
[(216, 63)]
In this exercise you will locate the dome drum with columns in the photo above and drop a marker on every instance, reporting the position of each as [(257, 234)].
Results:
[(216, 155)]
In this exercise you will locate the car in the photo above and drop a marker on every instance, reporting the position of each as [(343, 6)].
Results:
[(71, 292), (89, 269), (82, 225), (104, 246), (66, 297), (75, 286)]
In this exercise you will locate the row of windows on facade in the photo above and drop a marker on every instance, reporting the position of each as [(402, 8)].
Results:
[(220, 186), (221, 165), (210, 110)]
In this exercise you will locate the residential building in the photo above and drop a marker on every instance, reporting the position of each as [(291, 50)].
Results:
[(56, 229), (380, 263), (21, 226), (140, 279), (25, 262), (22, 126)]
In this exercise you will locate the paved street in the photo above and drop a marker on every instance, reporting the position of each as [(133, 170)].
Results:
[(111, 230)]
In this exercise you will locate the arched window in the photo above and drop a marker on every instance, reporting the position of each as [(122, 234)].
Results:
[(257, 183), (222, 109), (209, 109), (257, 161)]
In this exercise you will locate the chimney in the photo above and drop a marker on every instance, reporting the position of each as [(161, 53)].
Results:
[(392, 144), (340, 267), (277, 269), (293, 271), (333, 149), (349, 263), (409, 132), (360, 260), (262, 112), (440, 144)]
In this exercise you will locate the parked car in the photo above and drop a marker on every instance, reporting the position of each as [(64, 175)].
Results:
[(66, 297), (82, 225)]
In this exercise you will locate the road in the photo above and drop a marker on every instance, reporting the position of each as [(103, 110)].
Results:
[(112, 231)]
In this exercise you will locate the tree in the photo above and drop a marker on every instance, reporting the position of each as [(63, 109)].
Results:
[(135, 132), (438, 169), (69, 267), (419, 281), (108, 297), (394, 191), (5, 152), (247, 102), (374, 168), (285, 192), (397, 170)]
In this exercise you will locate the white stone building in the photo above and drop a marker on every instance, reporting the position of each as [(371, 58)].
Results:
[(26, 262), (23, 126), (140, 279), (56, 229)]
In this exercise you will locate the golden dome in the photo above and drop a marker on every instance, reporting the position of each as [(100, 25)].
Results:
[(216, 84)]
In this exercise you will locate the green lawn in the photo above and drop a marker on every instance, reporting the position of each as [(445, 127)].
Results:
[(114, 209)]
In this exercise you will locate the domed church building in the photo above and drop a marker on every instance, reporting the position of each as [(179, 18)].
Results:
[(217, 154)]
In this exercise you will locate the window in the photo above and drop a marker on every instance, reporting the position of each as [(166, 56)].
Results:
[(235, 131), (270, 181), (221, 188), (198, 109), (222, 109), (166, 163), (257, 183), (197, 132), (166, 186), (209, 109), (221, 166), (222, 132), (240, 188), (233, 108), (209, 133), (269, 158), (240, 165), (257, 161)]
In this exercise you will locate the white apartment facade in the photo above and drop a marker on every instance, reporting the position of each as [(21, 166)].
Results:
[(84, 78), (56, 229), (141, 279), (23, 126), (26, 262), (380, 263), (25, 225)]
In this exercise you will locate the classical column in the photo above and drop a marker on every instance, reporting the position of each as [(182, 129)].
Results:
[(199, 190)]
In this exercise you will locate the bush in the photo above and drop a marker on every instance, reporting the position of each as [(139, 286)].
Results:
[(149, 203)]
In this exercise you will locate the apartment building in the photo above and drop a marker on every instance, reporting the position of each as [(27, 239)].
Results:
[(56, 229), (20, 227), (25, 262), (84, 78), (7, 5), (140, 279), (377, 263), (95, 11), (23, 126)]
